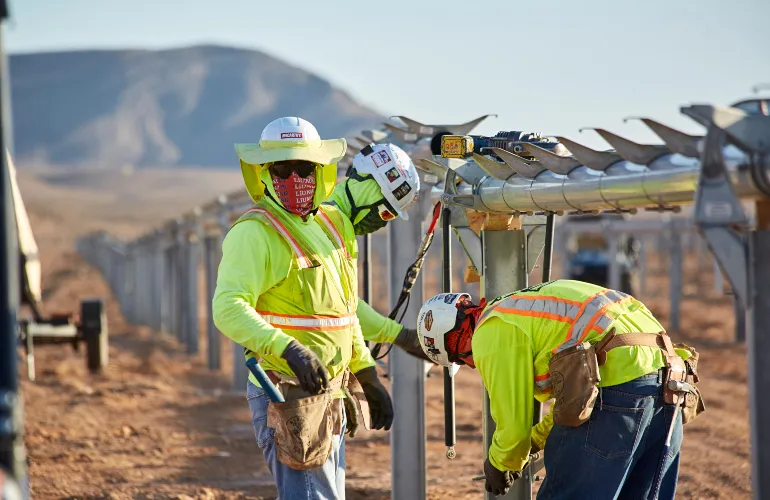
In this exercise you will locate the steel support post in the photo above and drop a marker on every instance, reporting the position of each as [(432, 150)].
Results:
[(407, 373), (130, 307), (504, 258), (157, 285), (613, 279), (675, 277), (180, 285), (213, 244), (758, 345), (719, 282), (170, 288), (192, 262), (141, 286)]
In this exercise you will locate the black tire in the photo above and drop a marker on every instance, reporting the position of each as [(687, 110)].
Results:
[(93, 324)]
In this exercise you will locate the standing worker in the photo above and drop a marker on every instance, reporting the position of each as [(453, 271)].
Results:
[(615, 428), (381, 184), (287, 291)]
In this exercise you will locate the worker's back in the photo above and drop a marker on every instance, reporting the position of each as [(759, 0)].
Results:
[(562, 313)]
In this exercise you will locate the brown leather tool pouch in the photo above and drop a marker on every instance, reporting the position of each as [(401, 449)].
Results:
[(693, 403), (675, 370), (574, 377), (356, 406), (304, 430)]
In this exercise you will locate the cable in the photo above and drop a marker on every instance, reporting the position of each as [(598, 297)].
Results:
[(409, 279)]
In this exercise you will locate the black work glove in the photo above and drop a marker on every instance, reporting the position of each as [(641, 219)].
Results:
[(497, 482), (312, 374), (407, 340), (380, 406), (370, 223)]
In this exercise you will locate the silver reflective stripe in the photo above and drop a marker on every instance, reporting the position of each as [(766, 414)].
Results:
[(594, 306), (543, 384), (310, 322)]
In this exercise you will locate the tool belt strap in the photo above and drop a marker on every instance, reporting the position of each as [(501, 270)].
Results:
[(610, 341), (335, 384)]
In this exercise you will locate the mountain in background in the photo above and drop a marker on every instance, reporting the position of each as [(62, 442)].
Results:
[(159, 108)]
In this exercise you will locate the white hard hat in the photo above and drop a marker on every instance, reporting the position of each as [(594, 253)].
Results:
[(394, 171), (436, 318), (290, 128)]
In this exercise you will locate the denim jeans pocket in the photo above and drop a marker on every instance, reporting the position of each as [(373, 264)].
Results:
[(613, 431)]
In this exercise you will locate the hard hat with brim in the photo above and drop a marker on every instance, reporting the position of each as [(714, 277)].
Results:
[(326, 153)]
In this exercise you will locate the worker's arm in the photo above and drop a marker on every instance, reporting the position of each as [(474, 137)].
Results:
[(374, 326), (503, 356), (362, 357), (253, 261), (541, 430)]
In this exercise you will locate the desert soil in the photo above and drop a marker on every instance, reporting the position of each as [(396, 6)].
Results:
[(159, 425)]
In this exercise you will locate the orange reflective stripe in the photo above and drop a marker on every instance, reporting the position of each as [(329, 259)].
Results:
[(591, 315), (304, 262), (333, 229), (600, 315), (543, 382)]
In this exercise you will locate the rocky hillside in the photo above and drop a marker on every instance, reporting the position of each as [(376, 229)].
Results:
[(162, 108)]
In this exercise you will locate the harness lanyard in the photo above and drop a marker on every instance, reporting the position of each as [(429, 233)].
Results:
[(411, 276)]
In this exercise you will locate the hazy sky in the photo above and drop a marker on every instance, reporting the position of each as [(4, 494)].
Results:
[(549, 67)]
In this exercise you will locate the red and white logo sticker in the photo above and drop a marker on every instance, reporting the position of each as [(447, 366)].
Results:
[(291, 135), (380, 158)]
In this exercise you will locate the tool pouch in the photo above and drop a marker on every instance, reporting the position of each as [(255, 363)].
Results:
[(575, 378), (675, 370), (693, 403), (356, 406), (304, 430)]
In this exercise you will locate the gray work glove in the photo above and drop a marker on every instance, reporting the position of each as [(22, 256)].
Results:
[(407, 340), (380, 405), (312, 374), (498, 482)]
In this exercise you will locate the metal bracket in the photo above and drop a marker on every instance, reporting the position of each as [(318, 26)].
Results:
[(719, 214)]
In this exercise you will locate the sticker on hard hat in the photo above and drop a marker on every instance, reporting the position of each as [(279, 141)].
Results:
[(291, 135), (380, 158), (402, 190), (392, 174), (450, 299), (430, 347), (428, 322)]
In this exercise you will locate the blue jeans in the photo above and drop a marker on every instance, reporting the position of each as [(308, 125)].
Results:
[(618, 452), (323, 483)]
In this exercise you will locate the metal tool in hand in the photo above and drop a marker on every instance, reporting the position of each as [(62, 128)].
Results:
[(264, 381), (535, 463)]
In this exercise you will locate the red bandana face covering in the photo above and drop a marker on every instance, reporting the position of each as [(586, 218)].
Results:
[(459, 341), (295, 193)]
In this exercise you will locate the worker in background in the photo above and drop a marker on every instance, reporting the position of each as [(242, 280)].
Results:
[(381, 184), (287, 291), (607, 363)]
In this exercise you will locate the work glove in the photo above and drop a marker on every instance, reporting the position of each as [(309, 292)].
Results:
[(312, 374), (407, 340), (372, 222), (380, 406), (498, 482)]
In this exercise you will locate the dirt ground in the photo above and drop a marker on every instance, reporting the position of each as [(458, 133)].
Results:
[(159, 425)]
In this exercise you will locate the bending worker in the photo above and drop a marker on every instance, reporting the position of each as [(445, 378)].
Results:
[(287, 291), (615, 428), (381, 184)]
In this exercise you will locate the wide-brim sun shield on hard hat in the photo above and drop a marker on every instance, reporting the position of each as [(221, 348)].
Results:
[(290, 138)]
